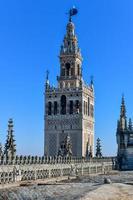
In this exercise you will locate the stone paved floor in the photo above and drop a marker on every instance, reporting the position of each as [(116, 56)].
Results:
[(92, 188)]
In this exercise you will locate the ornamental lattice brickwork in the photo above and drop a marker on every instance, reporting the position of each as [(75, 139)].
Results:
[(69, 108)]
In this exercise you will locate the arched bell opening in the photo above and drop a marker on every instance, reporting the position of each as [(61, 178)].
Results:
[(63, 104)]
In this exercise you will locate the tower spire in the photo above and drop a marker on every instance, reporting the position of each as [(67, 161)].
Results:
[(123, 118), (123, 108), (70, 57)]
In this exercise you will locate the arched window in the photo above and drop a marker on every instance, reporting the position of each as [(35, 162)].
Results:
[(67, 69), (84, 108), (55, 107), (63, 104), (49, 108), (78, 71), (71, 107), (92, 110), (72, 71), (77, 106), (88, 106)]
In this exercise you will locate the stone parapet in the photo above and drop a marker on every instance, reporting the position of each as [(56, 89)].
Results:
[(25, 170)]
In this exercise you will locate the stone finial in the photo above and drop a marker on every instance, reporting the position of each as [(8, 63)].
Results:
[(123, 118), (10, 146), (98, 149), (65, 149), (130, 126), (123, 108), (47, 84)]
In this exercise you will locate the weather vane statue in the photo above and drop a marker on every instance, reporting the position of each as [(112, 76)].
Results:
[(73, 11)]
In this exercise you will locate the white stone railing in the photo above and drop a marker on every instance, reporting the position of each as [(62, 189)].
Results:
[(16, 173), (24, 160)]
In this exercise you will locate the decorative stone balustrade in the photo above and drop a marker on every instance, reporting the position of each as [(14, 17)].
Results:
[(25, 160), (32, 168)]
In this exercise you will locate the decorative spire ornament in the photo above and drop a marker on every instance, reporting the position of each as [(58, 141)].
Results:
[(47, 85), (65, 149), (123, 118), (98, 149), (130, 126), (10, 146), (123, 108)]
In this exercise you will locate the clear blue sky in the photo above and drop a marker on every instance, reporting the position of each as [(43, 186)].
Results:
[(31, 33)]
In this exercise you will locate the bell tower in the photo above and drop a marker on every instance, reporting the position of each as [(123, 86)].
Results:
[(70, 60), (69, 107)]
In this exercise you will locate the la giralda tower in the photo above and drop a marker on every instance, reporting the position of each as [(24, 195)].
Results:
[(69, 108)]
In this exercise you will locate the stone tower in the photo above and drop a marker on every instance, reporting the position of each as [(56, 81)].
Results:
[(124, 136), (69, 108)]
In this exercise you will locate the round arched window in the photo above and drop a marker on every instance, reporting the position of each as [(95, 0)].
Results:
[(67, 66)]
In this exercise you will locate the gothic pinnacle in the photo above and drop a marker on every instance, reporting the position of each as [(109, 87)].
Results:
[(10, 146), (123, 118), (47, 80), (130, 126), (123, 108)]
